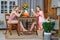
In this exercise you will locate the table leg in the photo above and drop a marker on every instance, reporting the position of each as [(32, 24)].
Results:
[(27, 24), (36, 26), (19, 29)]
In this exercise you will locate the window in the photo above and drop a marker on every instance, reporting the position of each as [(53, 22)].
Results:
[(7, 6), (2, 11), (11, 5), (3, 6)]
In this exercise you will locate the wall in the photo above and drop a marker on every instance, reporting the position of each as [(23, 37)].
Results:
[(2, 18)]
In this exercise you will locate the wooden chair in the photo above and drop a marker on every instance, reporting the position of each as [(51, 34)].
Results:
[(10, 25)]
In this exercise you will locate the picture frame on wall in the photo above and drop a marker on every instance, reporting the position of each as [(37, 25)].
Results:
[(54, 4)]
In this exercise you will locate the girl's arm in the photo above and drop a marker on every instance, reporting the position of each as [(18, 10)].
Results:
[(17, 14), (40, 14), (34, 13)]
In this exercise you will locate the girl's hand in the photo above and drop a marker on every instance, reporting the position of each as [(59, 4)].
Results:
[(32, 10), (21, 11)]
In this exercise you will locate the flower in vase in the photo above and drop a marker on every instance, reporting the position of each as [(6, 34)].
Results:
[(25, 6)]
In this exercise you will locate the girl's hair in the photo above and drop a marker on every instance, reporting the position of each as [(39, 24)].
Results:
[(39, 7), (15, 7), (21, 8)]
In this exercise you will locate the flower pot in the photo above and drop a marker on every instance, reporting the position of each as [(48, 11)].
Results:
[(40, 34), (47, 36)]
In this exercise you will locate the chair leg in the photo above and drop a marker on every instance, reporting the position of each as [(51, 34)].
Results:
[(17, 29), (11, 29), (36, 33), (6, 30), (36, 29)]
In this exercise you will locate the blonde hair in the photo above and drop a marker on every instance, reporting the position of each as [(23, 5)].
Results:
[(21, 8), (15, 7)]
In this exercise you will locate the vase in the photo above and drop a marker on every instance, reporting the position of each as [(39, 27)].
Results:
[(26, 13), (47, 36)]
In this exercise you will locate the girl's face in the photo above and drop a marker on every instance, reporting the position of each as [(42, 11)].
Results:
[(37, 8), (16, 9), (20, 10)]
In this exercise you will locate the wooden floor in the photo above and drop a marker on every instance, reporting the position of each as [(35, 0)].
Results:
[(25, 36)]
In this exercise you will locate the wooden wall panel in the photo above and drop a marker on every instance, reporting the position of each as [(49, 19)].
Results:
[(51, 12), (45, 7)]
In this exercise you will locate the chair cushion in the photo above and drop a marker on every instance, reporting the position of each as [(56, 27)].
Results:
[(12, 22)]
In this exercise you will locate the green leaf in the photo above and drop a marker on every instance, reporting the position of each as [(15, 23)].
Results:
[(48, 26)]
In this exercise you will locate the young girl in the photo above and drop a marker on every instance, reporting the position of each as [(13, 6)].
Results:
[(15, 14), (40, 17)]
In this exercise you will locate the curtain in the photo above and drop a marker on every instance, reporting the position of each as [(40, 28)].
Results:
[(32, 4)]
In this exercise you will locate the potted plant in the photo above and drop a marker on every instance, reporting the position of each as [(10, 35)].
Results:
[(48, 27), (25, 6)]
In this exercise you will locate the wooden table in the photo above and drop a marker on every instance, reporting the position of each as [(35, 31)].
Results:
[(29, 18)]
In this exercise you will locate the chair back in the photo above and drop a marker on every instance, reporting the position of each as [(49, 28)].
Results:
[(6, 18)]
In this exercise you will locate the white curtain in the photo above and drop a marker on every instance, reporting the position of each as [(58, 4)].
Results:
[(32, 4)]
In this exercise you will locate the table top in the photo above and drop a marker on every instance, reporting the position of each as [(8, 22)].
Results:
[(27, 17)]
